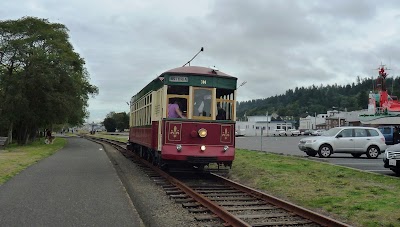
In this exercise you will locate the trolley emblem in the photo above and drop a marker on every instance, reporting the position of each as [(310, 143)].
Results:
[(225, 134), (175, 132)]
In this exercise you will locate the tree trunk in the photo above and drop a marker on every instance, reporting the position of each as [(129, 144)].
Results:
[(25, 136), (10, 130)]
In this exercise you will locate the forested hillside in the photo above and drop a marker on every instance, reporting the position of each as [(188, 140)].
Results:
[(300, 100)]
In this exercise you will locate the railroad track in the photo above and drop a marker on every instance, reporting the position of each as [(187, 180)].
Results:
[(219, 201)]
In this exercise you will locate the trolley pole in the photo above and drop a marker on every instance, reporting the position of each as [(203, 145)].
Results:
[(261, 134)]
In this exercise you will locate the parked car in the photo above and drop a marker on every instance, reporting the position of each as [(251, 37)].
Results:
[(239, 133), (354, 140), (293, 132), (388, 132), (278, 132), (391, 159), (307, 132), (317, 132)]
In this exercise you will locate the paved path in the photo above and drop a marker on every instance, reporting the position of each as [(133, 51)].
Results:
[(77, 186)]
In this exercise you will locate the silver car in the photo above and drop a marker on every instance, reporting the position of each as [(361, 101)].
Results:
[(354, 140), (391, 159)]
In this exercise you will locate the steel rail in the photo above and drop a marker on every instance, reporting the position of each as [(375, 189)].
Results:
[(305, 213), (227, 217)]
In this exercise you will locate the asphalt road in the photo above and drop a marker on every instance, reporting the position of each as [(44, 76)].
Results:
[(77, 186), (288, 146)]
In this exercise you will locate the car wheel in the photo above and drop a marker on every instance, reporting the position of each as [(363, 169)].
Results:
[(325, 151), (397, 172), (373, 151), (311, 153), (356, 155)]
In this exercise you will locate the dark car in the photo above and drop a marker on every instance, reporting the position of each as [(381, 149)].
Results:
[(388, 132), (307, 132), (391, 159)]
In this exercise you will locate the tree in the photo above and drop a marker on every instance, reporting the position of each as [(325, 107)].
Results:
[(121, 120), (44, 82), (315, 99), (362, 99), (110, 124)]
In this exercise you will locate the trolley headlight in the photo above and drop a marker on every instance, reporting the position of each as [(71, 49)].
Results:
[(202, 132), (178, 147), (226, 147), (203, 148)]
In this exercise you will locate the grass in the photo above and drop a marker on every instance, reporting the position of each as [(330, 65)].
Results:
[(358, 198), (15, 158), (120, 138)]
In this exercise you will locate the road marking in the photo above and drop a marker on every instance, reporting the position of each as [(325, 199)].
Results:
[(357, 164), (380, 170), (101, 149)]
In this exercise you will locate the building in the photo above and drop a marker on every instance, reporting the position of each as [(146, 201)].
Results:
[(331, 119), (313, 122), (261, 126)]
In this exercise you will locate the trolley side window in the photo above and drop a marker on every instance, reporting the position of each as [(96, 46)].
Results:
[(180, 95), (225, 104), (140, 112)]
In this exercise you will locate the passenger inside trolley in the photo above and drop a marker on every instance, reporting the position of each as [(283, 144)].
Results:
[(221, 114), (174, 110)]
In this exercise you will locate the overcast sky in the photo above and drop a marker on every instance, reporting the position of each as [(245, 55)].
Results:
[(274, 45)]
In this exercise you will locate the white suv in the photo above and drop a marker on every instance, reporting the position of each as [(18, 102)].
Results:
[(294, 132), (278, 132), (353, 140)]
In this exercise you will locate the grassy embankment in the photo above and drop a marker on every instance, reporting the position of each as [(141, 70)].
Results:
[(14, 159), (358, 198)]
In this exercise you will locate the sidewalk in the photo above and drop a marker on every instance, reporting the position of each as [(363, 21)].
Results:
[(77, 186)]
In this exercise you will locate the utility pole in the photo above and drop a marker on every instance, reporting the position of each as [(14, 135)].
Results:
[(267, 123), (315, 119), (261, 134)]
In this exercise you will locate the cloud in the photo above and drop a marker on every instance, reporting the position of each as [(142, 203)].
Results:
[(273, 45)]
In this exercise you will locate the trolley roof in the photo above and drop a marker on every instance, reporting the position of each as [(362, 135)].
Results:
[(198, 70), (190, 76)]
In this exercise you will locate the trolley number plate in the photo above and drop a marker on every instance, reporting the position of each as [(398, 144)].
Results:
[(392, 162)]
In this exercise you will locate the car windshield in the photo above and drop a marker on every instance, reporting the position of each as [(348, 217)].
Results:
[(331, 132)]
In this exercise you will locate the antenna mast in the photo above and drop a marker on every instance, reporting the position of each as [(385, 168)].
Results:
[(202, 49)]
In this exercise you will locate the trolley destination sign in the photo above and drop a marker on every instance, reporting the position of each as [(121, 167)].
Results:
[(179, 79), (201, 81)]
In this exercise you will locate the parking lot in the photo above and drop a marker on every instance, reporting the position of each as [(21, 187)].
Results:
[(288, 146)]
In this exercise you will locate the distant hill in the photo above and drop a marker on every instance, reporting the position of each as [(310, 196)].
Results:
[(317, 99)]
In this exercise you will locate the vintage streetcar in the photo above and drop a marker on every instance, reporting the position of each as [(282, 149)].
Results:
[(204, 130)]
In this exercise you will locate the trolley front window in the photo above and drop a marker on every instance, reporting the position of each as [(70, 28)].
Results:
[(202, 102)]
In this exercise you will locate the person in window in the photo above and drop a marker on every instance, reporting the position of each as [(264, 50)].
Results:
[(221, 114), (174, 111), (198, 105), (202, 103)]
